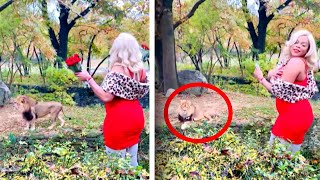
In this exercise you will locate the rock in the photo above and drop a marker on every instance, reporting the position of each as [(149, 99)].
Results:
[(190, 76), (4, 94), (169, 92)]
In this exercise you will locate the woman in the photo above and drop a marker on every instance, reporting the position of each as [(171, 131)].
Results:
[(120, 90), (292, 83)]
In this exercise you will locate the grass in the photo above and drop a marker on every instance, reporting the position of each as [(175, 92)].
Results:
[(86, 117), (82, 123), (241, 153)]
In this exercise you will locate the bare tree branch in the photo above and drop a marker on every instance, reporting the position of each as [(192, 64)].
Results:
[(51, 32), (53, 38), (5, 5), (189, 15), (83, 13), (282, 6)]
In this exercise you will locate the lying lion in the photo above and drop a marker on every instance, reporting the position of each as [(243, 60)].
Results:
[(32, 110), (188, 113)]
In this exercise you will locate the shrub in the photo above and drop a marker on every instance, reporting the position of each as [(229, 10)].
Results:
[(69, 159), (58, 81), (234, 155)]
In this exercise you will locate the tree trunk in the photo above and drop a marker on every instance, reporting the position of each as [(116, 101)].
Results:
[(159, 63), (195, 62), (5, 5), (239, 58), (89, 53), (259, 38), (40, 65), (167, 35), (165, 45), (60, 44), (262, 28), (63, 48), (63, 34)]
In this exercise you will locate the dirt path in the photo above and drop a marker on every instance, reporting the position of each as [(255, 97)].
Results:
[(10, 119), (11, 122), (214, 102)]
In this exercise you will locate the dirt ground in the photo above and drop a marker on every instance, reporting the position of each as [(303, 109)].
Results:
[(10, 119), (11, 122), (211, 101)]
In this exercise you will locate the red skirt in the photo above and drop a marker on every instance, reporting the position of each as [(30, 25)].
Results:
[(294, 120), (123, 123)]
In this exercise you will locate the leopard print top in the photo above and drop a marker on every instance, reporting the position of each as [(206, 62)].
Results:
[(123, 86), (291, 92)]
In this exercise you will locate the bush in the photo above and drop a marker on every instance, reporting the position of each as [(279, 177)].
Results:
[(234, 155), (60, 77), (69, 159), (58, 81)]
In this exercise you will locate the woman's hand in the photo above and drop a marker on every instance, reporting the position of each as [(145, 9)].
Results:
[(275, 72), (98, 91), (83, 75), (258, 73), (259, 76)]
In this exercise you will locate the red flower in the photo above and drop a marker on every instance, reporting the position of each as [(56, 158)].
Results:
[(73, 60), (144, 46), (73, 63)]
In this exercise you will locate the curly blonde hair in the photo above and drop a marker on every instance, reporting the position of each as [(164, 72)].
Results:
[(311, 56), (125, 51)]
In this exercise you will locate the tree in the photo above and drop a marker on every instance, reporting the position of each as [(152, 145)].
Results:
[(60, 43), (10, 42), (258, 34), (191, 36), (165, 45), (90, 39)]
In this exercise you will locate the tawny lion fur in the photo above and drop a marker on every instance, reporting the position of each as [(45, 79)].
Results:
[(32, 110), (190, 112)]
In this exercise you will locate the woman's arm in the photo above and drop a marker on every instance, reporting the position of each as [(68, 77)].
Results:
[(98, 91), (290, 73), (143, 75), (275, 72), (259, 76)]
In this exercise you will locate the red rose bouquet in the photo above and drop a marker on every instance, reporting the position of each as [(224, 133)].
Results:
[(73, 63), (145, 47)]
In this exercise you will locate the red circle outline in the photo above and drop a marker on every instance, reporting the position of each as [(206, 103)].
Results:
[(206, 139)]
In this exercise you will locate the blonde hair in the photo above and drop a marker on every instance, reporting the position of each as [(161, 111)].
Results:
[(125, 51), (311, 56)]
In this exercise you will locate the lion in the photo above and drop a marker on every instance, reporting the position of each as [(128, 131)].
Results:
[(188, 113), (32, 110)]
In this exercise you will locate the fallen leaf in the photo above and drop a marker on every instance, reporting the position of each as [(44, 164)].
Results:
[(75, 171), (248, 162), (194, 173), (225, 152), (208, 149), (108, 170)]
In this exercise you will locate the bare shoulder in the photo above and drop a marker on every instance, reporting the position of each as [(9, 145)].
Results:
[(297, 63)]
